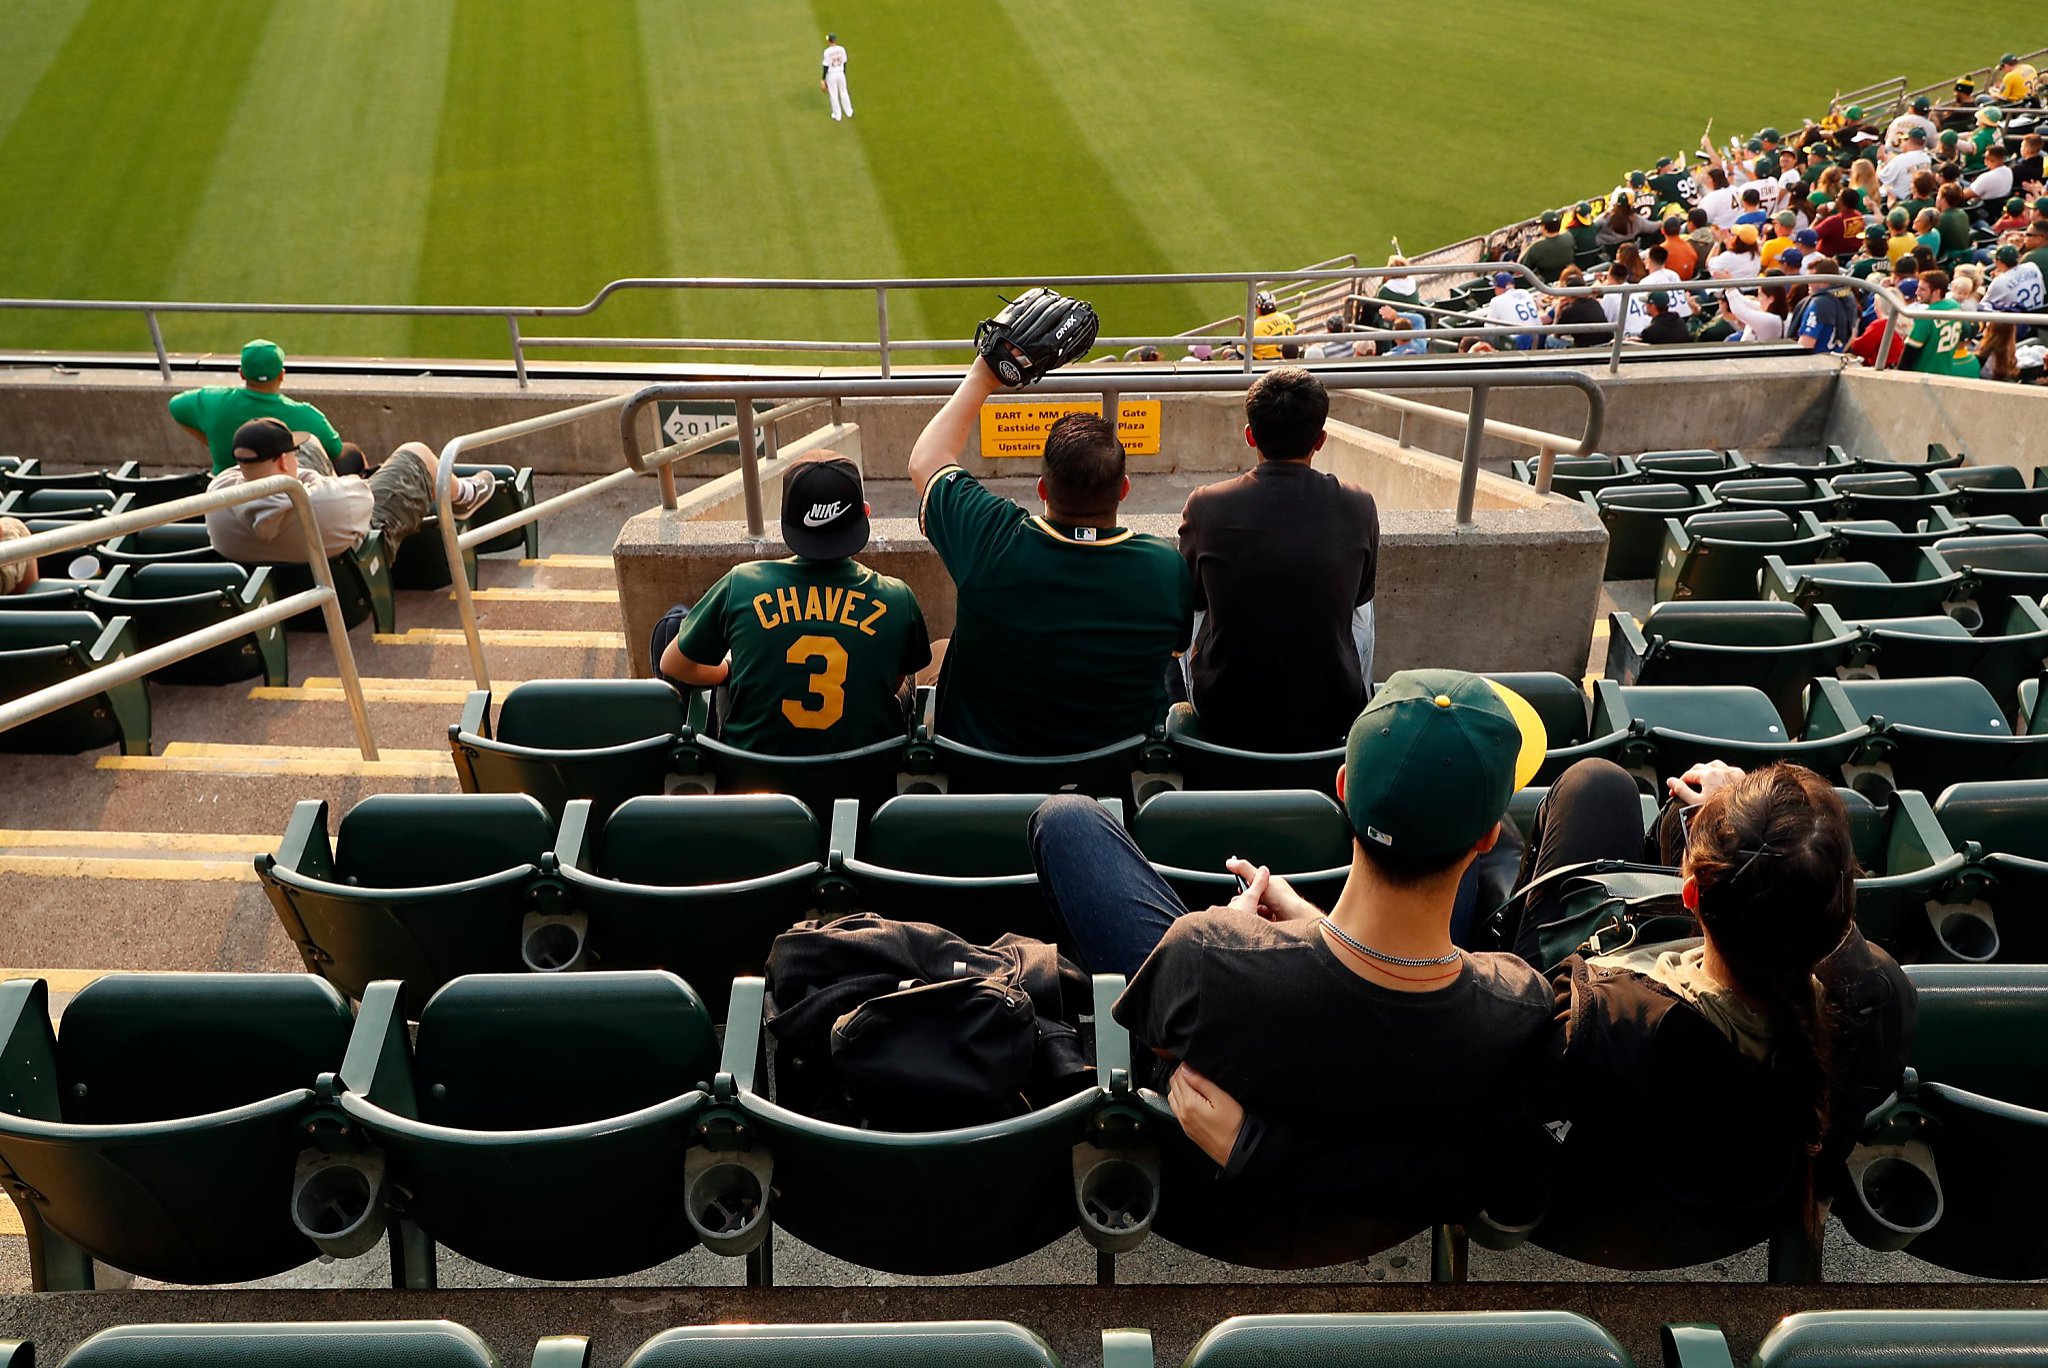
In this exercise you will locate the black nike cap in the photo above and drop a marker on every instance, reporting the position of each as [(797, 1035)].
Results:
[(824, 510)]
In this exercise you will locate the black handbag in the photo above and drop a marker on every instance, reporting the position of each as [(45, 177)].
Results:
[(1605, 906), (931, 1056)]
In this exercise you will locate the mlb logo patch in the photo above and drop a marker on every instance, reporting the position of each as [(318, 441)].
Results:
[(1084, 534)]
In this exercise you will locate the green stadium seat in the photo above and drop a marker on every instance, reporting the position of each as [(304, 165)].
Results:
[(936, 1202), (1956, 1338), (1999, 656), (49, 596), (163, 602), (699, 885), (1784, 493), (1634, 518), (422, 561), (1997, 568), (705, 764), (28, 476), (1561, 704), (40, 650), (148, 491), (957, 860), (420, 886), (180, 542), (1775, 647), (1298, 833), (158, 1131), (2033, 717), (1417, 1339), (1908, 867), (1719, 555), (307, 1344), (1859, 589), (1923, 733), (1521, 813), (1112, 771), (1998, 492), (362, 580), (1938, 458), (1674, 728), (62, 504), (1896, 551), (1983, 477), (582, 1089), (1572, 476), (557, 739), (2003, 830), (1902, 498), (936, 1344), (1204, 764), (75, 562)]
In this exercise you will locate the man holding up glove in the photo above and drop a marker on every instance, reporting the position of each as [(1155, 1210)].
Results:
[(1065, 620)]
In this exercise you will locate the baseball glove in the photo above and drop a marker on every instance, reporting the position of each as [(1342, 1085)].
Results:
[(1040, 331)]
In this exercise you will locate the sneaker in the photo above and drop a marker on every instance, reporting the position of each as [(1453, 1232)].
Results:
[(473, 492)]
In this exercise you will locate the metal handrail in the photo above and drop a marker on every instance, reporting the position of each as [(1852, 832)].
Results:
[(322, 596)]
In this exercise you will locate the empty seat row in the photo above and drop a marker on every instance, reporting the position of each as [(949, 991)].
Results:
[(1385, 1339), (1727, 553), (428, 887), (162, 602), (1699, 467), (41, 650), (125, 480)]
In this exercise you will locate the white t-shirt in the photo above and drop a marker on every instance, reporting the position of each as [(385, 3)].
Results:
[(1638, 311), (1516, 308), (1723, 207), (1681, 302), (1733, 265), (267, 529), (835, 58), (1896, 175), (1994, 184), (1895, 132), (1758, 324)]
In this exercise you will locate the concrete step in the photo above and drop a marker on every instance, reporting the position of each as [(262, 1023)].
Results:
[(194, 792), (155, 916)]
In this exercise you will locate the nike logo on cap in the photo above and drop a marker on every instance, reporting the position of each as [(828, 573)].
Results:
[(821, 514)]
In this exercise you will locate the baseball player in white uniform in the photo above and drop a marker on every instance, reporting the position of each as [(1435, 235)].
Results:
[(833, 78)]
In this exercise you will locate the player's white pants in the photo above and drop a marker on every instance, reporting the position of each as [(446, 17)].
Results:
[(842, 103)]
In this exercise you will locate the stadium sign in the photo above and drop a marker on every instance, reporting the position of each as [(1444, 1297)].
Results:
[(679, 421), (1018, 430)]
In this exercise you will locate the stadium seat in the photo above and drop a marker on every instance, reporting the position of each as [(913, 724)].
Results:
[(1672, 729), (2003, 830), (1923, 733), (362, 580), (307, 1344), (1998, 656), (1204, 764), (935, 1344), (420, 886), (163, 602), (1928, 1339), (1900, 497), (1719, 555), (1438, 1339), (1858, 589), (1573, 476), (1938, 457), (422, 559), (1775, 647), (1784, 493), (148, 491), (62, 504), (698, 885), (28, 476), (2033, 717), (957, 860), (1695, 468), (1522, 805), (1997, 568), (158, 1131), (1298, 833), (1908, 865), (1118, 770), (40, 650), (1983, 477), (557, 739), (1634, 518), (935, 1202), (180, 542), (583, 1090), (49, 596), (708, 765), (1563, 707), (1994, 491), (1896, 551), (77, 562)]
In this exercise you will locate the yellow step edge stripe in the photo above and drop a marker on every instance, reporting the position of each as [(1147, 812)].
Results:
[(327, 689), (569, 561), (526, 595), (502, 636), (194, 841), (237, 750), (206, 757), (86, 867)]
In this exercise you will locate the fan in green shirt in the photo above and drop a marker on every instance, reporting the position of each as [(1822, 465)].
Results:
[(1931, 347), (1549, 254), (1066, 622), (213, 414)]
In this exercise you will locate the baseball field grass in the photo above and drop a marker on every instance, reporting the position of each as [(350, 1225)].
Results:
[(526, 151)]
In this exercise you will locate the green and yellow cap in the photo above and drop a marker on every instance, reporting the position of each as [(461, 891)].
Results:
[(1432, 761)]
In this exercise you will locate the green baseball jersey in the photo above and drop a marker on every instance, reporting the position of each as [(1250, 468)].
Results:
[(218, 410), (1937, 339), (818, 651), (1675, 187), (1062, 634)]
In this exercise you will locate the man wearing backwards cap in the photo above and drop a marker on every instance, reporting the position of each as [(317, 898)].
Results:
[(212, 414), (1276, 1002), (394, 501), (813, 651)]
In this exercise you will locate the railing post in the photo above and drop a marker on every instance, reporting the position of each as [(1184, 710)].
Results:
[(882, 324), (518, 349), (1891, 327), (156, 339), (1401, 433), (451, 548), (750, 468), (1620, 335), (1468, 473), (1546, 462), (1251, 314), (666, 478)]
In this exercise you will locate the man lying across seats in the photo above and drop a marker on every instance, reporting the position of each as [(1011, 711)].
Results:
[(1325, 1023), (1065, 621), (1284, 560), (813, 652), (394, 500)]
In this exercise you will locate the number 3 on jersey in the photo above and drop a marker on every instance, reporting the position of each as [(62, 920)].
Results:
[(828, 685)]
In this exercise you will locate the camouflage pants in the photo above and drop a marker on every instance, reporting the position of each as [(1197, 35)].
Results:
[(403, 488)]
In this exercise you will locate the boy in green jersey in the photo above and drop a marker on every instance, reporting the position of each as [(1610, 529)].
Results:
[(814, 653), (1931, 348)]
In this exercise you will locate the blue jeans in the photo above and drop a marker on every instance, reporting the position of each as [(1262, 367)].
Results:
[(1105, 895)]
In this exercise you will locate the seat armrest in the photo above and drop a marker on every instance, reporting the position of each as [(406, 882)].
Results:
[(1112, 1041), (1915, 840), (1127, 1349), (305, 849), (28, 1051), (572, 837), (845, 832), (1627, 648), (378, 1064), (115, 642), (1694, 1346), (476, 713), (558, 1351), (743, 1031)]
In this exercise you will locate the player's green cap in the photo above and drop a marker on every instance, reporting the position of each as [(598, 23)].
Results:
[(1584, 207), (2041, 205), (1663, 162), (1786, 218), (1949, 137), (1638, 178), (1990, 114), (1771, 135), (2007, 255), (1432, 761), (1755, 144), (262, 359), (1899, 218), (2010, 59), (2015, 205)]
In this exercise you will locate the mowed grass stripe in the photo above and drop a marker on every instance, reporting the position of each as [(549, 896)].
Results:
[(971, 147), (36, 31), (103, 167), (543, 171), (755, 179), (338, 169)]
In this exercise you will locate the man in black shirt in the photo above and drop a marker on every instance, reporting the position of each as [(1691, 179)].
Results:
[(1284, 560), (1665, 326), (1324, 1023)]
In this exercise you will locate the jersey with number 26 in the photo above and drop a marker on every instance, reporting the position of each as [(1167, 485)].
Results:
[(818, 648)]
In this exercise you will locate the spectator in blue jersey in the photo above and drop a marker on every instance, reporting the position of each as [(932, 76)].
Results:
[(1826, 320)]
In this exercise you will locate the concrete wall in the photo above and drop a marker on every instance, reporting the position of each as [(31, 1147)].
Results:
[(1894, 415)]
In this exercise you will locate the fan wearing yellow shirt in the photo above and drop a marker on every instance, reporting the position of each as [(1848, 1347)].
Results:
[(1272, 322), (2015, 79), (1780, 242)]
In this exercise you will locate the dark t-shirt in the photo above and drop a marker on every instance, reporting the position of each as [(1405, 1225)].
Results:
[(1547, 256), (1955, 231), (1584, 310), (1062, 634), (1273, 1016), (1666, 327), (1280, 555), (818, 650)]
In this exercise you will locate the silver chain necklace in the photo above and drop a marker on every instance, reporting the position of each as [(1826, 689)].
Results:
[(1382, 956)]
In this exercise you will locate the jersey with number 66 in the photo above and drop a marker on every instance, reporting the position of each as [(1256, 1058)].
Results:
[(818, 649)]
